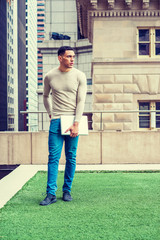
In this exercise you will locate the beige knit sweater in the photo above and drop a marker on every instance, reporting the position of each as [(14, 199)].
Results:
[(68, 93)]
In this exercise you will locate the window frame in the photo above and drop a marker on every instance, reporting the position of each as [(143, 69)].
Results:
[(152, 42), (152, 106), (156, 42)]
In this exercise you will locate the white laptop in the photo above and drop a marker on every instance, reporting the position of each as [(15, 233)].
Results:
[(67, 121)]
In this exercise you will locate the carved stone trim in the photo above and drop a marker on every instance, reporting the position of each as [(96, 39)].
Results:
[(145, 4), (111, 4), (124, 13), (94, 3), (128, 3)]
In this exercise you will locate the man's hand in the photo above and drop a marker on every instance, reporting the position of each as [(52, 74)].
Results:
[(74, 129)]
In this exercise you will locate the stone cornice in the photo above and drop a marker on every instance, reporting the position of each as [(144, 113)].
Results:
[(124, 13), (118, 4)]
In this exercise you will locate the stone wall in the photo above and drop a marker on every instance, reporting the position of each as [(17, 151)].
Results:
[(120, 86)]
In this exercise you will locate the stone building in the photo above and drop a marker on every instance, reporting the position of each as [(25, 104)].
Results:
[(126, 61)]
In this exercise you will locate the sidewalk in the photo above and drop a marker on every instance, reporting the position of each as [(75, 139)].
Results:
[(13, 182)]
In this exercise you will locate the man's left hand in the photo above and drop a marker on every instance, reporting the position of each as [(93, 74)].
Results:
[(74, 129)]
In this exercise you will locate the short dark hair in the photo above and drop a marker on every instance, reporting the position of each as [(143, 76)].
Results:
[(62, 50)]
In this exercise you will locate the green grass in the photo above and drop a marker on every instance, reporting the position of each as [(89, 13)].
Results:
[(110, 206)]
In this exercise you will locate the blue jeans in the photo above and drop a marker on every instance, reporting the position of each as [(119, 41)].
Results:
[(55, 143)]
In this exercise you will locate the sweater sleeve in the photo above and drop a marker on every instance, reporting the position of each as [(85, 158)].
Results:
[(81, 96), (46, 92)]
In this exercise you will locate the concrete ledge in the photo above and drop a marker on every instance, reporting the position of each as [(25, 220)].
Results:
[(39, 148), (97, 148), (130, 147), (89, 149)]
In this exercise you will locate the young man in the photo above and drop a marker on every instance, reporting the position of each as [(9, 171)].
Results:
[(68, 86)]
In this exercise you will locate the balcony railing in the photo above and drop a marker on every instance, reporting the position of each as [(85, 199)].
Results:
[(146, 115)]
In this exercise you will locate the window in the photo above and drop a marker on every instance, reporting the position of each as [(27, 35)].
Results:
[(157, 41), (89, 81), (157, 115), (149, 119), (144, 118), (40, 31), (40, 36), (40, 4), (149, 42), (40, 15)]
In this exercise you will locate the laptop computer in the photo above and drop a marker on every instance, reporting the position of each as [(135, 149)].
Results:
[(67, 121)]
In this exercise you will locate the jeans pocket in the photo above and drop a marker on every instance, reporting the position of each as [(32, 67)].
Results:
[(54, 126)]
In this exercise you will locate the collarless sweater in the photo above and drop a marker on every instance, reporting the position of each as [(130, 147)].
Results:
[(68, 93)]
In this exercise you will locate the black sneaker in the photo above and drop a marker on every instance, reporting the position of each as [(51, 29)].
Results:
[(67, 197), (48, 200)]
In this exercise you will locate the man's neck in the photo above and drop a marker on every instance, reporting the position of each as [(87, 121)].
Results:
[(62, 69)]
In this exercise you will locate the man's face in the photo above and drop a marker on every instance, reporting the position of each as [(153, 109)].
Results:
[(67, 59)]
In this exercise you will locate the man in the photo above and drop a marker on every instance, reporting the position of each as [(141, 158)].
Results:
[(68, 86)]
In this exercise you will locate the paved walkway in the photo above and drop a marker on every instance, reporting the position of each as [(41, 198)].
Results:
[(13, 182)]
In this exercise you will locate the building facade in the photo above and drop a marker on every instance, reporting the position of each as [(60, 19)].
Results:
[(31, 64), (61, 18), (21, 64), (9, 96), (61, 29), (40, 37), (13, 65), (10, 67), (3, 66), (126, 62)]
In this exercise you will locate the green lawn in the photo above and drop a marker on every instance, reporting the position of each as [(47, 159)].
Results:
[(110, 206)]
